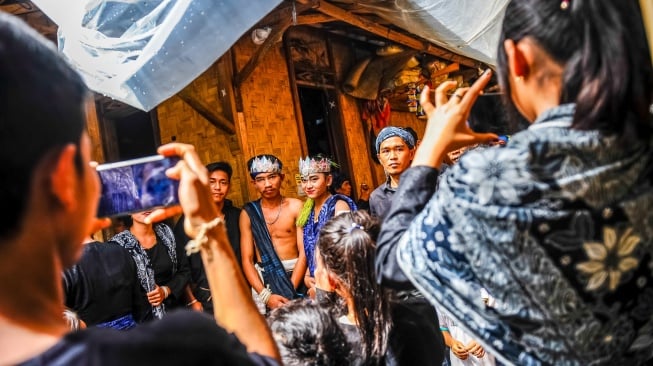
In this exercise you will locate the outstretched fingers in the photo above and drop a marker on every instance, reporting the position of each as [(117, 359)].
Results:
[(475, 90), (442, 91)]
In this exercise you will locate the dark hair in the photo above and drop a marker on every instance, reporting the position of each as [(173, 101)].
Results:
[(251, 161), (337, 181), (602, 46), (220, 165), (412, 132), (41, 111), (307, 334), (347, 249)]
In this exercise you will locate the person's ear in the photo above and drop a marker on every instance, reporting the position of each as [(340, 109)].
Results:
[(281, 176), (329, 180), (64, 178), (334, 282), (518, 55)]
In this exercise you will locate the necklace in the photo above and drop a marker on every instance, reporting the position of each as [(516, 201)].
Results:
[(278, 214)]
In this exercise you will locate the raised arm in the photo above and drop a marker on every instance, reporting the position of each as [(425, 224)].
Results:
[(234, 308), (446, 130)]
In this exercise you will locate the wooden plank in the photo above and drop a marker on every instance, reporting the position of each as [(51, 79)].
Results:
[(647, 18), (394, 36), (314, 19), (216, 119)]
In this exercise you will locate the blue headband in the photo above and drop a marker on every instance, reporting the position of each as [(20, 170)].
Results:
[(391, 131)]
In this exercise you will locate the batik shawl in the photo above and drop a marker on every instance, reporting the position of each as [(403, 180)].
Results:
[(143, 266), (312, 227), (558, 227), (274, 274)]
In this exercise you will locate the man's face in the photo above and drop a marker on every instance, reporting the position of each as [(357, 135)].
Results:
[(395, 155), (345, 188), (219, 184), (316, 184), (268, 184)]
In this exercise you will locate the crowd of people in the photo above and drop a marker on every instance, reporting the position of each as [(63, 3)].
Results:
[(534, 252)]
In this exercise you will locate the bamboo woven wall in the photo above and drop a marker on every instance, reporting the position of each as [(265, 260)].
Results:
[(267, 124), (177, 119)]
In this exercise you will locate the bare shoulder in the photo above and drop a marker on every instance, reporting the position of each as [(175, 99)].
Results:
[(294, 203)]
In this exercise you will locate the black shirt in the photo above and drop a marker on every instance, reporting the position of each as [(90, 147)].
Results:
[(381, 199), (198, 281), (181, 338), (415, 337), (103, 285)]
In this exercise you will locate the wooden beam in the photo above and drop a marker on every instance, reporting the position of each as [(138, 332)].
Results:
[(215, 118), (394, 36), (314, 19)]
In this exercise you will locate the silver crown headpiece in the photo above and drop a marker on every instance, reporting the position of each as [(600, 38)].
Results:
[(310, 166), (264, 164)]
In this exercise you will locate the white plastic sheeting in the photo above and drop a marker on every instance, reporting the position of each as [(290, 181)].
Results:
[(142, 52), (467, 27)]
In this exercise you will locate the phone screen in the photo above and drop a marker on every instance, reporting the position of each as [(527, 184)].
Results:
[(136, 185)]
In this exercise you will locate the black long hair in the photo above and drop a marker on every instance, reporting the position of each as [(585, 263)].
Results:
[(347, 249), (602, 45)]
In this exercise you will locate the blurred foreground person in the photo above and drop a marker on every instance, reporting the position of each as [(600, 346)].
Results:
[(557, 225), (50, 194)]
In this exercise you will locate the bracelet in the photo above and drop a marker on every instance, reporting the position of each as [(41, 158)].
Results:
[(264, 295), (196, 244), (192, 302)]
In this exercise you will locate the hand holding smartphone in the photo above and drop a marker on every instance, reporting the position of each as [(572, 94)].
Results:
[(136, 185)]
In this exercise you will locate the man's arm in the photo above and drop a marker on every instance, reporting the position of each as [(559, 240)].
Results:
[(248, 252), (300, 267), (234, 308)]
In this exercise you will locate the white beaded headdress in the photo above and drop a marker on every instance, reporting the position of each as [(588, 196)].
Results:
[(310, 166), (264, 164)]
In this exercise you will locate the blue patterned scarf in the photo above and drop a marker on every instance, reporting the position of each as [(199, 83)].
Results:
[(274, 274), (312, 227), (143, 266), (558, 227)]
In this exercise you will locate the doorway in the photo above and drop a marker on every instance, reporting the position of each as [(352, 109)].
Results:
[(128, 133), (322, 127)]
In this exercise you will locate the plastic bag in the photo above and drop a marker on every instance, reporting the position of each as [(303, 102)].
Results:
[(142, 52)]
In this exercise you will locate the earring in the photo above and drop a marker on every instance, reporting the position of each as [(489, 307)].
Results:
[(519, 78)]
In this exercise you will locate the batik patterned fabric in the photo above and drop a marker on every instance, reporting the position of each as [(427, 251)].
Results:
[(143, 267), (558, 227), (312, 227)]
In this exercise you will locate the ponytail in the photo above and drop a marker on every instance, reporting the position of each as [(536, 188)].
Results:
[(602, 45), (610, 78)]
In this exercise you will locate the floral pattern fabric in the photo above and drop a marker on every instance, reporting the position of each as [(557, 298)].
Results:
[(558, 227)]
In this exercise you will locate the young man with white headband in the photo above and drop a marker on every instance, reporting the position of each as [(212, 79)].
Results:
[(271, 245)]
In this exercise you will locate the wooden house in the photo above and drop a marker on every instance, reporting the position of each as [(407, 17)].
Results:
[(280, 90)]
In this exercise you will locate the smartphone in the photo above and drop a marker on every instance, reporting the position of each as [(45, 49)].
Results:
[(136, 185)]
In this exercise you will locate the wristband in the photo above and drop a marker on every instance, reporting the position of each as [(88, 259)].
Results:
[(194, 245)]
